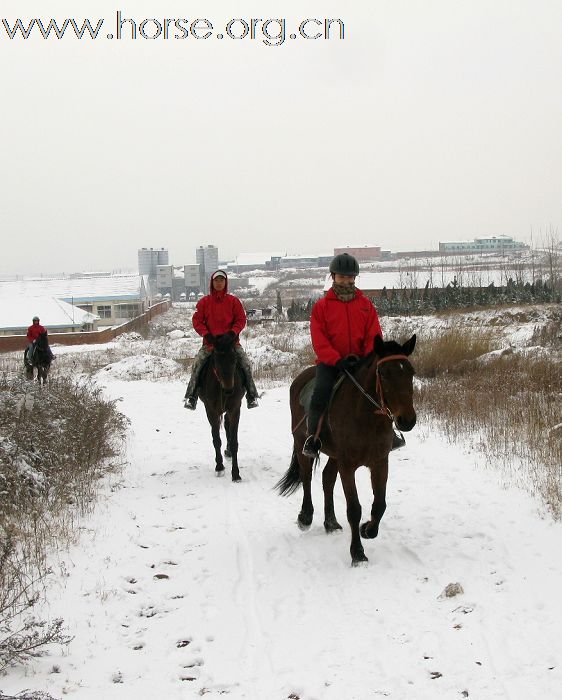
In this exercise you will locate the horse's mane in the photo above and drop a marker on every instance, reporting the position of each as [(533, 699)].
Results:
[(390, 347)]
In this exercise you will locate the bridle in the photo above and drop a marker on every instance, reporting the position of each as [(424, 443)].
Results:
[(382, 408)]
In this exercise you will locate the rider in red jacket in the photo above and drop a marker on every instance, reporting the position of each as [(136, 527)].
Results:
[(219, 313), (343, 327), (33, 333), (35, 330)]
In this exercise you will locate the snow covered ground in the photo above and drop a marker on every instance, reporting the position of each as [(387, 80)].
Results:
[(185, 585)]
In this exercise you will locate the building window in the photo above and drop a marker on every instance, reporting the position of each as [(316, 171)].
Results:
[(104, 311), (127, 310)]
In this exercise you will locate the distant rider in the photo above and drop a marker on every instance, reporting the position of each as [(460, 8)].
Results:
[(216, 314), (33, 333)]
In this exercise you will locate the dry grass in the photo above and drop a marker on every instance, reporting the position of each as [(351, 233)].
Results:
[(549, 335), (509, 405), (56, 443), (451, 351), (287, 351)]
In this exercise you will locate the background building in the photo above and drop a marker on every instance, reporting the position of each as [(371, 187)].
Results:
[(364, 253), (207, 257), (55, 315), (113, 299), (164, 279), (150, 258), (192, 278), (491, 244)]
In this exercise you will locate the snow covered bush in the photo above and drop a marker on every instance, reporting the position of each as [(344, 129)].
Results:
[(55, 444), (505, 403)]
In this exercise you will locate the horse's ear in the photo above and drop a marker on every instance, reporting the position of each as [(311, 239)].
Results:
[(409, 345), (378, 346)]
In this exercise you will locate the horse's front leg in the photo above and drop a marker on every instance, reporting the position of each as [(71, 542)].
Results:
[(227, 451), (347, 475), (379, 476), (231, 425), (214, 420), (329, 476)]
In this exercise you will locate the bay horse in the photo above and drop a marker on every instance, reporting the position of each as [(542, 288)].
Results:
[(357, 431), (41, 359), (221, 389)]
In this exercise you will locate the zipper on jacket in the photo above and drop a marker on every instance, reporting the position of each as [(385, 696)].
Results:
[(348, 328)]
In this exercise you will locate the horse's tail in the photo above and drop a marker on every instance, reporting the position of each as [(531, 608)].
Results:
[(290, 482)]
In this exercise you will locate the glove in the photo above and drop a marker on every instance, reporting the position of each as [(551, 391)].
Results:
[(210, 338), (348, 363)]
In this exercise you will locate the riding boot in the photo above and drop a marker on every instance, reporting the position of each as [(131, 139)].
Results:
[(312, 444), (251, 391), (190, 398)]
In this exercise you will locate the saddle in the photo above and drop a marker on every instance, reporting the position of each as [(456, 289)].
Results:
[(306, 394)]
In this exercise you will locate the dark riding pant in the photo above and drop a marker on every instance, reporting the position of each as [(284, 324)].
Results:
[(326, 376), (196, 368)]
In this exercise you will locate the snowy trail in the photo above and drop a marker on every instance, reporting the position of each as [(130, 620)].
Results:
[(186, 585)]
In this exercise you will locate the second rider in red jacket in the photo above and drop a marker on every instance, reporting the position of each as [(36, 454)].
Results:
[(219, 313)]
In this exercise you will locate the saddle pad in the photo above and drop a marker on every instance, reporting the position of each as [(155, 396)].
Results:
[(306, 394), (307, 390)]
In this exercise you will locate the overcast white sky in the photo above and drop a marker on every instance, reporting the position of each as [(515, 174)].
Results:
[(431, 120)]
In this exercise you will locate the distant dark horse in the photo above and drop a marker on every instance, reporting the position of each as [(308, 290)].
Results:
[(221, 389), (42, 358), (357, 431)]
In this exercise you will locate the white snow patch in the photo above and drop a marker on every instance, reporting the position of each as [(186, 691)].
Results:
[(141, 367), (176, 334)]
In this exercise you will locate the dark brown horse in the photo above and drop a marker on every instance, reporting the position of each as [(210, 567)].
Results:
[(357, 430), (221, 389), (41, 359)]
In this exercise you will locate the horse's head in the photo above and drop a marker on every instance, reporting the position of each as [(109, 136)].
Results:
[(395, 380), (224, 359), (43, 340)]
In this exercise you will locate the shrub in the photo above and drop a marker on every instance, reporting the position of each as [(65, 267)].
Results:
[(55, 444)]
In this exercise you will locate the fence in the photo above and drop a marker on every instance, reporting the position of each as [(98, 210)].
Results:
[(10, 343)]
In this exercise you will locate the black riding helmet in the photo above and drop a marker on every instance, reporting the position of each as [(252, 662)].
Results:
[(344, 264)]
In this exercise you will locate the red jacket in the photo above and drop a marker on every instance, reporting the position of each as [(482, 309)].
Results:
[(34, 331), (340, 328), (218, 313)]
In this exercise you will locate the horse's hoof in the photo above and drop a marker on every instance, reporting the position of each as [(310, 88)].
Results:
[(227, 453), (358, 559), (219, 470), (236, 479), (332, 525), (369, 531), (304, 520)]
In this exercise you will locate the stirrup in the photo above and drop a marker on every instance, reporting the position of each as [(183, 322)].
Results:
[(252, 401), (190, 403), (311, 447)]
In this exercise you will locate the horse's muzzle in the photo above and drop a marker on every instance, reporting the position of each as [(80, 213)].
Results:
[(405, 424)]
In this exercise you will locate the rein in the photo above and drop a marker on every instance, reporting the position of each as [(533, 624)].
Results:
[(382, 408)]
